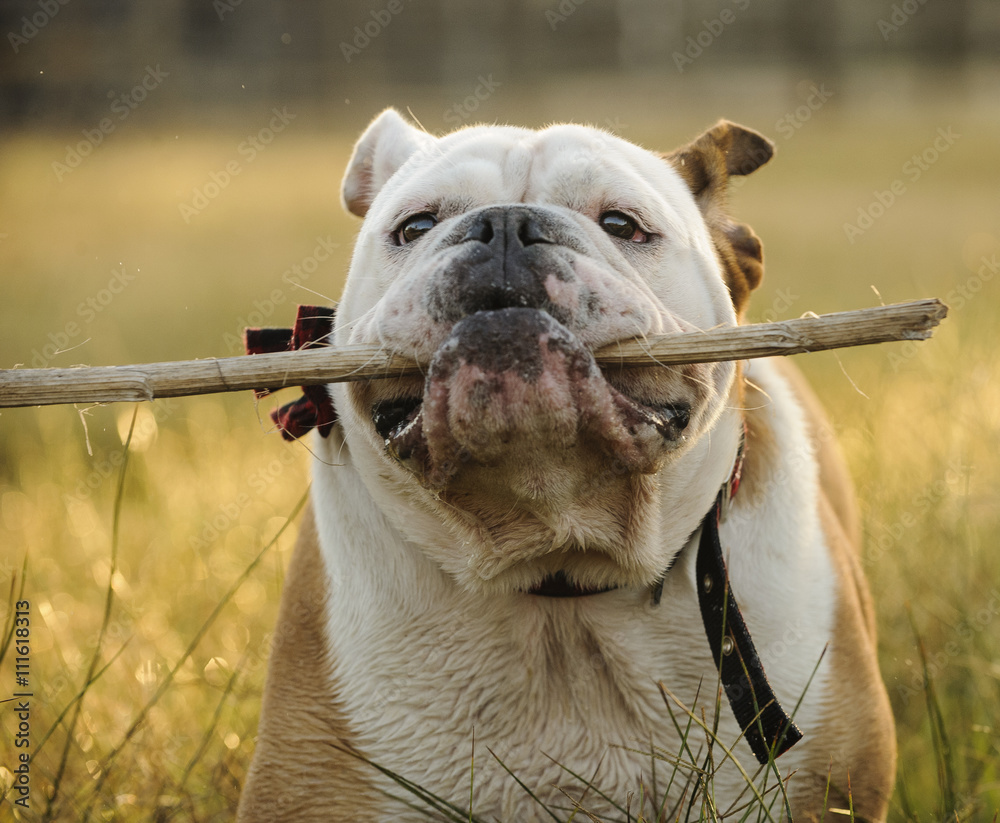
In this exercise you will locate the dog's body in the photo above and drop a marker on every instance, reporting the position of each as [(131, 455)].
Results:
[(426, 600)]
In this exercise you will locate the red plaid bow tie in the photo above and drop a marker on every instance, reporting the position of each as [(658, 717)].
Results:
[(314, 410)]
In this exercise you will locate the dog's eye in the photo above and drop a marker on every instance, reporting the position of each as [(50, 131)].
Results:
[(414, 227), (622, 226)]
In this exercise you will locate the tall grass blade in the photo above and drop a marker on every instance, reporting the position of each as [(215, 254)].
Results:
[(472, 774), (939, 734), (727, 750), (450, 810), (520, 783), (588, 784), (8, 634), (577, 807), (210, 730), (195, 641), (109, 597), (74, 701)]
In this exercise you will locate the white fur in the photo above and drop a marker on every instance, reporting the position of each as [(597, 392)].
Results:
[(423, 658)]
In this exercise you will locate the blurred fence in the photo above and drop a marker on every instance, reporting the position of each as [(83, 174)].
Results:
[(66, 61)]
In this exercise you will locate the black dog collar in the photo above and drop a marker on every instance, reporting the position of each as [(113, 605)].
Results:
[(767, 727)]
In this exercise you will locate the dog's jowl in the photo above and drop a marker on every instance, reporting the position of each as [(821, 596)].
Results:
[(529, 551)]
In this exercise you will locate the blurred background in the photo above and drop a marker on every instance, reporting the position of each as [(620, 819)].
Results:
[(169, 174)]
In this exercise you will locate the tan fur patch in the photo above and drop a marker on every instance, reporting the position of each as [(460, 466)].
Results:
[(762, 451), (301, 770), (856, 729), (706, 164)]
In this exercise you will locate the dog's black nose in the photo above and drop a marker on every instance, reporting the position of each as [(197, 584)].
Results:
[(502, 259), (523, 226)]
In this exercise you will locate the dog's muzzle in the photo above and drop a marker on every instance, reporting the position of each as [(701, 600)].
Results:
[(511, 385), (513, 382)]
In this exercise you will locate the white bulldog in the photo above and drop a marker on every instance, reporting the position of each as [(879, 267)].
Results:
[(504, 558)]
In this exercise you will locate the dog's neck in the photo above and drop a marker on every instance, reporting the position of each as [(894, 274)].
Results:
[(720, 506)]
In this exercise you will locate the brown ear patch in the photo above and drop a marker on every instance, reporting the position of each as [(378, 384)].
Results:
[(742, 258), (706, 164)]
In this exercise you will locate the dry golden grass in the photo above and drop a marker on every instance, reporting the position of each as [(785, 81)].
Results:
[(209, 485)]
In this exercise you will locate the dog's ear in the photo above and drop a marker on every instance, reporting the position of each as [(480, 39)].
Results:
[(706, 164), (386, 144)]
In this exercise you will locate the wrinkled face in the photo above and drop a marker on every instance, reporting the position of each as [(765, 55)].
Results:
[(501, 259)]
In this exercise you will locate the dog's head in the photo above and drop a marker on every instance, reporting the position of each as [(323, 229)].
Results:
[(502, 258)]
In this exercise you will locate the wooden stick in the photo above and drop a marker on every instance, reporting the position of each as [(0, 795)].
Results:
[(85, 384)]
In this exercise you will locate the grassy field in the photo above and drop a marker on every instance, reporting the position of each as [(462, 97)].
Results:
[(153, 588)]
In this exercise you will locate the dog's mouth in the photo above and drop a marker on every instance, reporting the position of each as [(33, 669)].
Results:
[(559, 585), (392, 417), (670, 419), (515, 381)]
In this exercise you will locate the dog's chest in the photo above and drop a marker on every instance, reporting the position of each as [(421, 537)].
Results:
[(544, 695), (550, 697)]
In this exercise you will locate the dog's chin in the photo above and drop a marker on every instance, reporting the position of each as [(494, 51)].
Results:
[(548, 465), (563, 575), (515, 405)]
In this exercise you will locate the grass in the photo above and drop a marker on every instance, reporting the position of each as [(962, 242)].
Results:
[(687, 795), (154, 579)]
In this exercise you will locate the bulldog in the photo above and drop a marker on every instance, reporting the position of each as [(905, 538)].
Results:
[(499, 594)]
